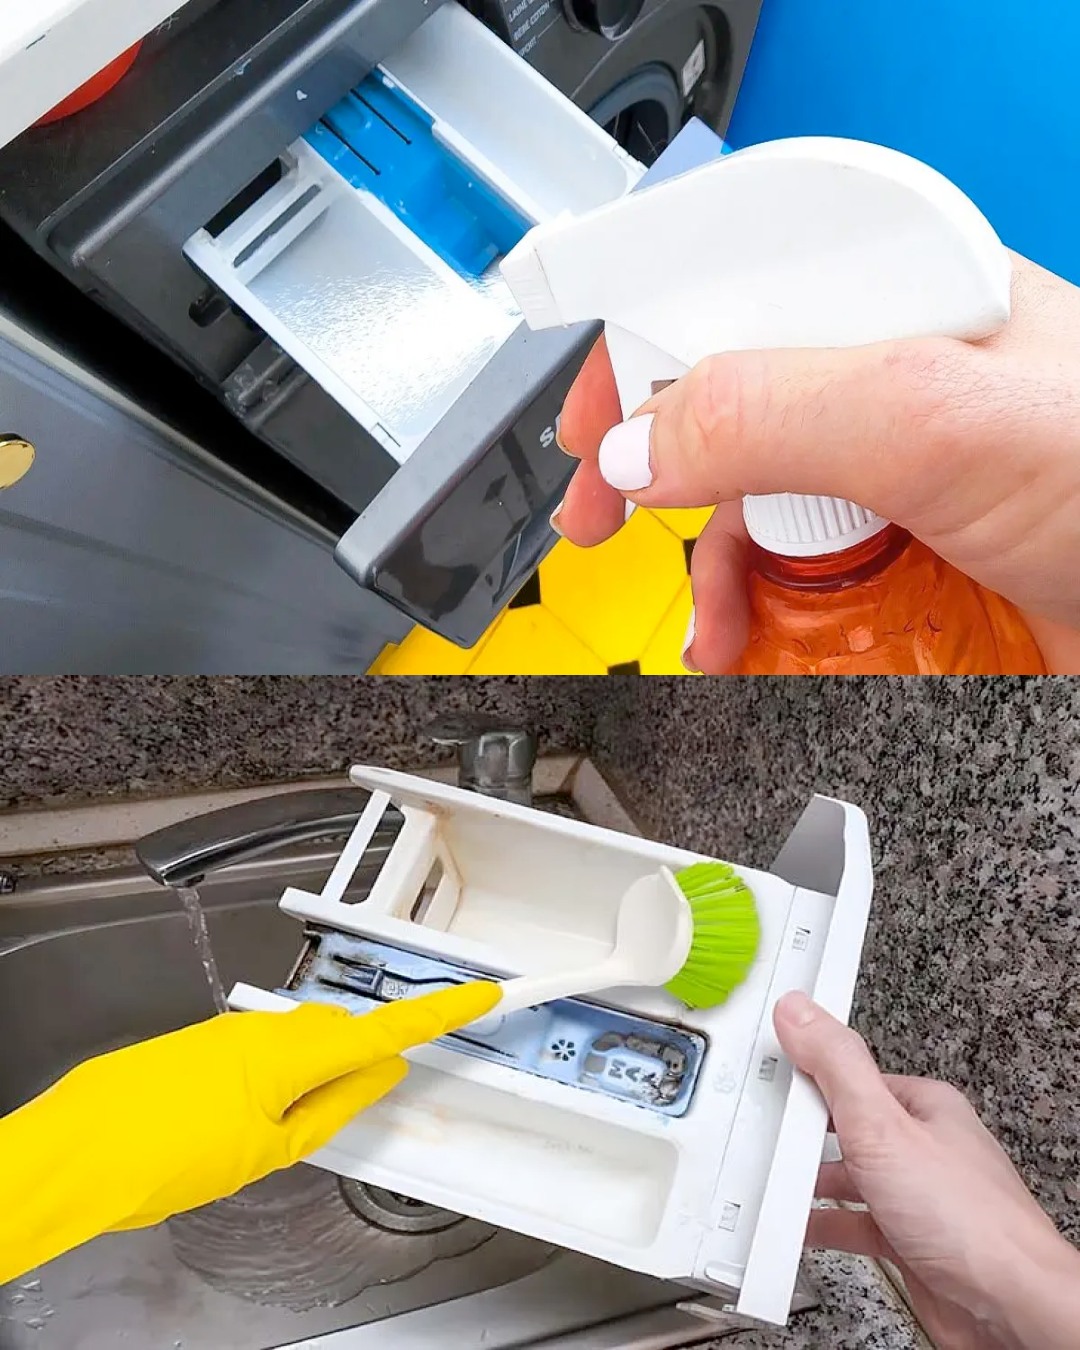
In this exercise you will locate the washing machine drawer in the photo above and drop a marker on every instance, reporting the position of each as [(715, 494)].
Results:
[(372, 262)]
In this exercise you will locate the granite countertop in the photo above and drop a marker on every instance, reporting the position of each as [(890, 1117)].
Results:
[(971, 969), (82, 738), (859, 1311)]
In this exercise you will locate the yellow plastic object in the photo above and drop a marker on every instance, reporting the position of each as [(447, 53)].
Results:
[(615, 597), (663, 655), (426, 654), (621, 607), (532, 641), (130, 1138), (684, 524)]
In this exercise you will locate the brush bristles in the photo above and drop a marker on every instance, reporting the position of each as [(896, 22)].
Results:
[(726, 937)]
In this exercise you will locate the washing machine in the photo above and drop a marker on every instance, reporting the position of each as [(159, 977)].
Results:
[(640, 67), (261, 202)]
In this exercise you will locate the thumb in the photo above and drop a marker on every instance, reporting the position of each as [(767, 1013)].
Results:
[(864, 423), (837, 1059), (314, 1120)]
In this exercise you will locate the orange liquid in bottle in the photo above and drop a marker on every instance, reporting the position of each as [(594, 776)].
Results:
[(887, 606)]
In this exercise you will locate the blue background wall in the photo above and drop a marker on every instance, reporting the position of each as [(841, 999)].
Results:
[(988, 91)]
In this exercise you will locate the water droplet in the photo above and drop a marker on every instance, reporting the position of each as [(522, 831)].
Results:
[(31, 1286), (36, 1323), (18, 1298)]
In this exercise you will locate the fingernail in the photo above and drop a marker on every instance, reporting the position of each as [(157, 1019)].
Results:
[(691, 634), (558, 435), (631, 507), (797, 1008), (553, 520), (624, 455)]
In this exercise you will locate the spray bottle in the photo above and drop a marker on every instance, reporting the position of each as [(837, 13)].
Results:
[(816, 243)]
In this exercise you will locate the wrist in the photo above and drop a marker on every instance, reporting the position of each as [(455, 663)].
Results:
[(50, 1198), (1036, 1299)]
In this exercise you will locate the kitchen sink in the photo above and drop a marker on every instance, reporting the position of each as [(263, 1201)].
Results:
[(96, 961), (92, 964)]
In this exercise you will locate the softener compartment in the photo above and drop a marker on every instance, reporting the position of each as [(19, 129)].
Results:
[(372, 260), (671, 1141)]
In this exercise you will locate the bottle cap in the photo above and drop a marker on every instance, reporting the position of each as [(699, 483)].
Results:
[(797, 526)]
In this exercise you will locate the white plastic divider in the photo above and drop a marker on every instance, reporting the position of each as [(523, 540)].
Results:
[(544, 153), (363, 833)]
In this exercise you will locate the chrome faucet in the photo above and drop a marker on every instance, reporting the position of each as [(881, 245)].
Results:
[(182, 854), (494, 758)]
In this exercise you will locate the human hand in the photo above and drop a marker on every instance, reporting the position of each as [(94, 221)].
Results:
[(973, 447), (128, 1139), (985, 1267)]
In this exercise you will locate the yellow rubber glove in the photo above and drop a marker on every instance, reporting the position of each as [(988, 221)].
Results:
[(130, 1138)]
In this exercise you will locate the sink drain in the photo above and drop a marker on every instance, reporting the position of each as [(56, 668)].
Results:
[(395, 1213), (305, 1238)]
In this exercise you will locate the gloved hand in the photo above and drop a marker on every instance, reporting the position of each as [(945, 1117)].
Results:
[(130, 1138)]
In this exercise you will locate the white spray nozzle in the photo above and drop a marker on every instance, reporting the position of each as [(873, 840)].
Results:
[(814, 242)]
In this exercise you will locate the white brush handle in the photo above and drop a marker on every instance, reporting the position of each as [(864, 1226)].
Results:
[(528, 991), (654, 929)]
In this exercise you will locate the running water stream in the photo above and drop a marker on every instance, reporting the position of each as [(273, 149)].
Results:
[(196, 917)]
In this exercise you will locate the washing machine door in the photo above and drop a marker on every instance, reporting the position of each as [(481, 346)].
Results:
[(643, 68), (642, 112)]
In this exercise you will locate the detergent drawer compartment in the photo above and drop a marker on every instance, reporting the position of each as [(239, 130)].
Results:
[(600, 1050), (669, 1140), (372, 260)]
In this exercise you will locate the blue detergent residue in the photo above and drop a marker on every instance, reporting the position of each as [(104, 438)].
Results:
[(650, 1065), (379, 140)]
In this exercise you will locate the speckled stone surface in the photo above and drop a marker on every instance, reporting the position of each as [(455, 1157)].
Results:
[(859, 1311), (971, 970), (972, 787), (75, 738)]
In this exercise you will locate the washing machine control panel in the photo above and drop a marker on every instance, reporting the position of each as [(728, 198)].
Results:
[(525, 21)]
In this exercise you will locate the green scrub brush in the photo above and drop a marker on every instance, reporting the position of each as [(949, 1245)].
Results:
[(725, 938), (695, 932)]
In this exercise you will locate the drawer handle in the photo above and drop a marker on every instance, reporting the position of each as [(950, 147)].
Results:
[(16, 456)]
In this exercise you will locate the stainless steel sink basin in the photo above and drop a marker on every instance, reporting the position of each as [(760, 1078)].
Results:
[(96, 962)]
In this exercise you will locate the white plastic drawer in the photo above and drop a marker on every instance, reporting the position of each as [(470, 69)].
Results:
[(347, 286), (717, 1196)]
